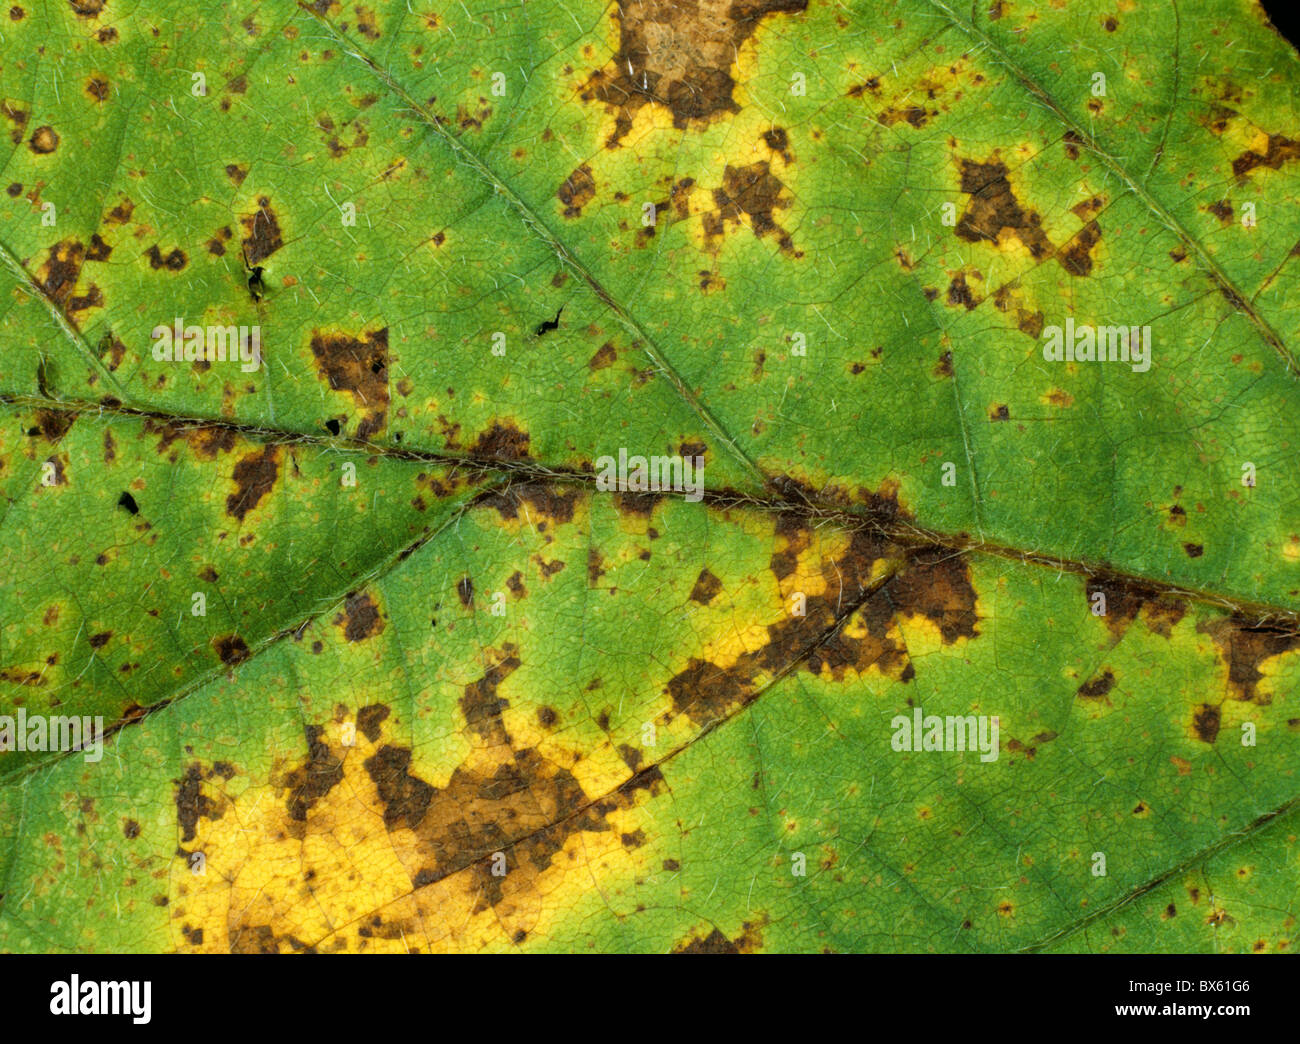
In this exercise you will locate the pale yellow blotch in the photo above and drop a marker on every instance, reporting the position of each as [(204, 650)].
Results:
[(257, 862)]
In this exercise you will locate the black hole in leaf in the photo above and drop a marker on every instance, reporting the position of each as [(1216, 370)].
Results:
[(550, 324), (332, 426), (127, 501), (376, 364)]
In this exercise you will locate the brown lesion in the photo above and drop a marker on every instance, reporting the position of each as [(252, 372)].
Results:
[(678, 55), (58, 274), (311, 781), (262, 233), (1076, 255), (16, 115), (503, 798), (195, 801), (1278, 150), (750, 195), (993, 210), (360, 619), (254, 477), (578, 190), (851, 605), (1127, 600), (357, 364), (1246, 647), (749, 940)]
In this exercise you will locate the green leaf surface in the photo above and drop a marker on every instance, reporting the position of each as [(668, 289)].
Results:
[(385, 666)]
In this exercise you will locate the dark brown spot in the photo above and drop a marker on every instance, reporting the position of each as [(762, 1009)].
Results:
[(716, 942), (58, 274), (175, 261), (1222, 210), (1205, 720), (465, 592), (1125, 600), (544, 500), (960, 294), (993, 208), (502, 441), (358, 366), (706, 588), (678, 56), (130, 829), (314, 778), (481, 705), (1245, 648), (44, 140), (254, 476), (1279, 150), (778, 141), (578, 190), (1076, 255), (605, 356), (360, 618), (53, 424), (1098, 687), (97, 87), (231, 649), (749, 195), (192, 804), (595, 566), (370, 718), (262, 235)]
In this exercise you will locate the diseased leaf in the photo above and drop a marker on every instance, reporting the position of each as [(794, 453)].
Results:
[(386, 665)]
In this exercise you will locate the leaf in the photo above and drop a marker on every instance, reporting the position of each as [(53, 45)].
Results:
[(446, 692)]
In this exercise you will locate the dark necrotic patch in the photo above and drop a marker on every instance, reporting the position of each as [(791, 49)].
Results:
[(578, 190), (715, 942), (314, 778), (174, 261), (1205, 722), (1098, 687), (481, 705), (1076, 255), (993, 208), (750, 195), (1279, 150), (358, 366), (465, 592), (360, 618), (502, 441), (706, 588), (1246, 647), (262, 235), (678, 55), (192, 804), (231, 649), (254, 476), (370, 718)]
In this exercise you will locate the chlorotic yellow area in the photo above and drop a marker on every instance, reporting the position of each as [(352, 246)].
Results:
[(340, 880)]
